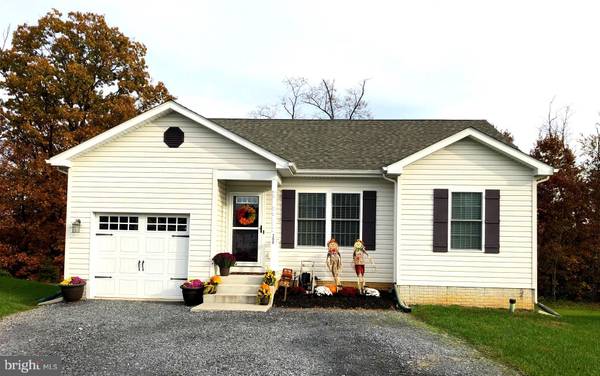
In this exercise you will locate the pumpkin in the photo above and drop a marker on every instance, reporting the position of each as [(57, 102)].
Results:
[(332, 288)]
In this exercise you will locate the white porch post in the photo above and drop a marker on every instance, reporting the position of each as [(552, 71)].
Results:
[(274, 261), (214, 228)]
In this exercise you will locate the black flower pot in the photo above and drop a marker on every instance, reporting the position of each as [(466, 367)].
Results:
[(72, 293), (223, 271), (192, 297)]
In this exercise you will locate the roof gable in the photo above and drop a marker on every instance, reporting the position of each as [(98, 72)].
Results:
[(64, 158), (513, 153), (367, 145), (337, 146)]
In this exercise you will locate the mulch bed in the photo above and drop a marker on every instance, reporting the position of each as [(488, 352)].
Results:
[(386, 301)]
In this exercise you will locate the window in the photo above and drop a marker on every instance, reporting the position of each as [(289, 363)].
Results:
[(173, 137), (345, 218), (466, 217), (311, 219), (178, 224), (118, 222)]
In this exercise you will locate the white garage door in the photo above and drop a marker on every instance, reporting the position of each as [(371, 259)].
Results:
[(140, 256)]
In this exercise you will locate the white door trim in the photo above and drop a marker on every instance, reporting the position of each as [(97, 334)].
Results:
[(260, 251)]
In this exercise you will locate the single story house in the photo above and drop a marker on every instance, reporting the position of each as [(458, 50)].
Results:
[(446, 208)]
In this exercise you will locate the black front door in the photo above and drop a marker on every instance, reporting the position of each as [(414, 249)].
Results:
[(246, 216)]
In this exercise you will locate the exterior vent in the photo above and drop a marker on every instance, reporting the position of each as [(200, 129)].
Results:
[(173, 137)]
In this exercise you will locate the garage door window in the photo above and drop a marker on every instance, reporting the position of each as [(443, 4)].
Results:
[(178, 224), (118, 222)]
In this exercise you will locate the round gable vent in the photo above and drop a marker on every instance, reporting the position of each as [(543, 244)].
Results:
[(173, 137)]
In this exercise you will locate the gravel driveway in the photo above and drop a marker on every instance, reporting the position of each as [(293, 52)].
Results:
[(118, 337)]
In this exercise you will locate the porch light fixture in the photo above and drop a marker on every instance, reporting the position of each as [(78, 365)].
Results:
[(76, 226)]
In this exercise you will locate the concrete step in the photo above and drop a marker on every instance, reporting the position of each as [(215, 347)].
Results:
[(242, 279), (226, 288), (206, 306), (248, 269), (237, 298)]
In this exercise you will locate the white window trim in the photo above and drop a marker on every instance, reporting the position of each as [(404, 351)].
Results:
[(328, 215), (466, 190)]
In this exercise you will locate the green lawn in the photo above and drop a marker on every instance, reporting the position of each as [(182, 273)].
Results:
[(531, 342), (19, 295)]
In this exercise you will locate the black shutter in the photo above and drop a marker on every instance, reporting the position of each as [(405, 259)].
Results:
[(492, 221), (288, 217), (440, 220), (369, 219)]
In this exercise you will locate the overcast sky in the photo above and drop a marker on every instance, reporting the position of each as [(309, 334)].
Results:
[(502, 62)]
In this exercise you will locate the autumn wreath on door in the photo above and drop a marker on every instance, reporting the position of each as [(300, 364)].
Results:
[(246, 215)]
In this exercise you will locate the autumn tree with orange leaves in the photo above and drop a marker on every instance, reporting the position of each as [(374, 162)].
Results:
[(62, 81)]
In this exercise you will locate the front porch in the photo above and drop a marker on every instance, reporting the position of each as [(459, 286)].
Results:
[(244, 209), (245, 217)]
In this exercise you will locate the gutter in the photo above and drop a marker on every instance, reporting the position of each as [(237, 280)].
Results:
[(337, 173)]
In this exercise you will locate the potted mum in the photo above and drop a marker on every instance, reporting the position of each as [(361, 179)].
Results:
[(269, 278), (264, 294), (211, 286), (225, 261), (193, 292), (72, 289)]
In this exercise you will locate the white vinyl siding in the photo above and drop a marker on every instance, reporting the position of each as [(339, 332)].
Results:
[(382, 256), (466, 166), (138, 173)]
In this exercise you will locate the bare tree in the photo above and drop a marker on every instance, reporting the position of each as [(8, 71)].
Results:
[(557, 122), (354, 104), (292, 100), (5, 35), (323, 99), (264, 111)]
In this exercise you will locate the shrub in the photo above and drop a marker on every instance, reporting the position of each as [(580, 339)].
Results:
[(296, 290), (348, 291), (49, 272)]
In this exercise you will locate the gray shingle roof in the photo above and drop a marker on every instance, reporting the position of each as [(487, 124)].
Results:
[(349, 144)]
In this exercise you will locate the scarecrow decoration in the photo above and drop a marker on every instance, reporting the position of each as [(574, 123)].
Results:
[(360, 256), (334, 260)]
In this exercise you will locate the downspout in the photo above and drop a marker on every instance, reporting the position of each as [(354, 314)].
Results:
[(385, 177), (544, 309), (405, 308)]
